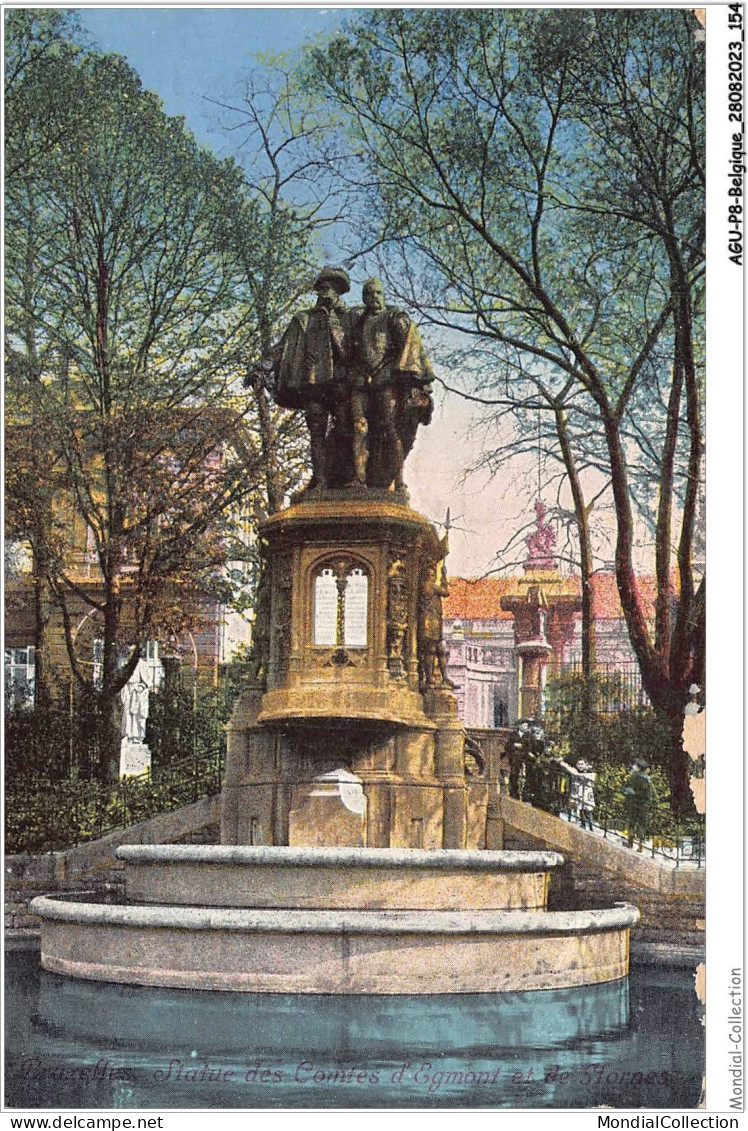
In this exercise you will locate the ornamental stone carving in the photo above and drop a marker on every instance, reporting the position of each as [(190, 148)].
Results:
[(397, 616)]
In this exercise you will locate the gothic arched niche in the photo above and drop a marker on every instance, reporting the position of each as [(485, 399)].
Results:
[(340, 604)]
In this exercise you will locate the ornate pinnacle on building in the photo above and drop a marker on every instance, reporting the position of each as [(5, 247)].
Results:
[(541, 542)]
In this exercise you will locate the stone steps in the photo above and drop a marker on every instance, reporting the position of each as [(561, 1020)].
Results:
[(579, 884)]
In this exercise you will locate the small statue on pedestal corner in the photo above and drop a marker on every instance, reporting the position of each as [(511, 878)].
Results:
[(260, 653), (432, 652), (397, 616)]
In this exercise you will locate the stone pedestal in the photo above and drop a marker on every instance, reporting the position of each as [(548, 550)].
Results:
[(533, 656), (544, 603), (342, 688), (135, 758), (332, 807)]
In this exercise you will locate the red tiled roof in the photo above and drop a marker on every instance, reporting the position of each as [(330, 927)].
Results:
[(606, 602), (480, 598)]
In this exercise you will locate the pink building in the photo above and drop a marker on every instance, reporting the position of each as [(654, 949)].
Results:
[(483, 627)]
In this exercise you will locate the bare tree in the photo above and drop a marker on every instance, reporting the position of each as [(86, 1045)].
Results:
[(537, 180), (281, 137)]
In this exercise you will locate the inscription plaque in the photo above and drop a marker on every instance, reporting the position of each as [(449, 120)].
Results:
[(325, 609), (355, 609), (341, 599)]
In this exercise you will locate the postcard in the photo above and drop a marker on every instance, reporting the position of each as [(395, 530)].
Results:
[(360, 365)]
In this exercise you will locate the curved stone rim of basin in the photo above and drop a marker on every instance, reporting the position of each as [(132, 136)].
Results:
[(338, 922), (280, 855)]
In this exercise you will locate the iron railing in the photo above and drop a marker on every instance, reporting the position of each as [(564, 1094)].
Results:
[(613, 688), (548, 787), (45, 815)]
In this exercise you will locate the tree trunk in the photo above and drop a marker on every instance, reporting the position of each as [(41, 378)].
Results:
[(110, 740), (581, 514), (42, 690), (663, 539), (681, 798)]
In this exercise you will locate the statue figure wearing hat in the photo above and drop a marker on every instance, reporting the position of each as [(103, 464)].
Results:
[(310, 362), (362, 378), (390, 368)]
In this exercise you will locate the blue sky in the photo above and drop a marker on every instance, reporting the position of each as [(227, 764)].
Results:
[(186, 54)]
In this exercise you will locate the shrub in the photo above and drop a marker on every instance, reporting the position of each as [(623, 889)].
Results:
[(614, 738), (577, 728), (46, 815)]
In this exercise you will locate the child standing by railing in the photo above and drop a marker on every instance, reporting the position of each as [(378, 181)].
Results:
[(581, 791)]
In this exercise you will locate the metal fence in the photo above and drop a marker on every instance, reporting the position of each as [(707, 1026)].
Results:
[(43, 815), (614, 687), (547, 786), (181, 783)]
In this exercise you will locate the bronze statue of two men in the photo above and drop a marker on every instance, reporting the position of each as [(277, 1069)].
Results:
[(363, 380)]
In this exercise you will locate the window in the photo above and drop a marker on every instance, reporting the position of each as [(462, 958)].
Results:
[(500, 707), (341, 600)]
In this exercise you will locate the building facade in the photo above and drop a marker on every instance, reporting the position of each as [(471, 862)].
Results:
[(484, 639)]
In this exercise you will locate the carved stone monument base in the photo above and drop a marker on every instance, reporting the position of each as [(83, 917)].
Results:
[(413, 777), (343, 691)]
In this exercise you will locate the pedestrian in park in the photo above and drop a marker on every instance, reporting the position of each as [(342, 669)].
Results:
[(641, 799), (693, 707), (587, 783), (581, 791), (516, 749), (539, 784)]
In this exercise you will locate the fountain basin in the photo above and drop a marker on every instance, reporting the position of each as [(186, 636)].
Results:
[(334, 952), (337, 878), (80, 1044)]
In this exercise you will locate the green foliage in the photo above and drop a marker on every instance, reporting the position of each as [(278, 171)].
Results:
[(46, 815), (121, 292), (42, 816), (144, 278), (661, 823), (575, 723), (52, 803), (38, 44), (119, 229), (610, 741), (52, 743), (184, 724), (136, 288), (611, 800), (37, 744)]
